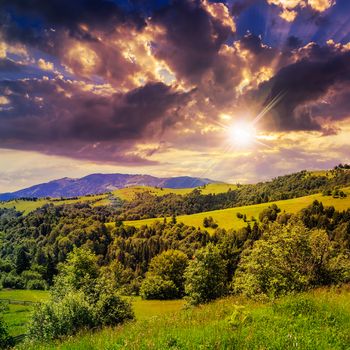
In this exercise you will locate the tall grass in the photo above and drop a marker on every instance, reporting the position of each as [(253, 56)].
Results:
[(316, 320)]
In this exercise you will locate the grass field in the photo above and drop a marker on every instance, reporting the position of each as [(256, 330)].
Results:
[(128, 194), (227, 218), (28, 206), (17, 316), (317, 320), (23, 294)]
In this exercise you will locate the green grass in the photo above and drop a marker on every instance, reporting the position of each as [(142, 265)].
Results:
[(227, 218), (17, 316), (328, 173), (27, 206), (128, 193), (145, 309), (318, 320), (26, 295)]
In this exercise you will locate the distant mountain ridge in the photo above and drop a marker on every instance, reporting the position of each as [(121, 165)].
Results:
[(101, 183)]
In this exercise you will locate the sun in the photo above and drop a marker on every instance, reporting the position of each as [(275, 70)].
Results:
[(242, 134)]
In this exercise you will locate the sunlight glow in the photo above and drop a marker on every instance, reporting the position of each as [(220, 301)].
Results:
[(242, 133)]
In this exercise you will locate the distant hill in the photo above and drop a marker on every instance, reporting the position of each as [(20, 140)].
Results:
[(101, 183)]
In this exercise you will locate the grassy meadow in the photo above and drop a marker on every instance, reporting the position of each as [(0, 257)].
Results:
[(316, 320), (27, 206), (17, 316), (227, 218), (128, 193)]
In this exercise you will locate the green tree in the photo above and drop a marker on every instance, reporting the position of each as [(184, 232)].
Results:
[(205, 275), (79, 272), (270, 213), (82, 298), (289, 258), (166, 267), (156, 287), (22, 260)]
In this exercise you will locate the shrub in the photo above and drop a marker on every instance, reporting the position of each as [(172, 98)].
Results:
[(155, 287), (165, 277), (6, 341), (205, 276), (111, 310), (37, 284), (270, 213), (66, 316), (33, 280), (289, 258), (81, 298), (13, 281)]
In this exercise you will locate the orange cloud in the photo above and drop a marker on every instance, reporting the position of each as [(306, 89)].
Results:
[(289, 7)]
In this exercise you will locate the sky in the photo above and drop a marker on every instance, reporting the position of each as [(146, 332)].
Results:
[(238, 91)]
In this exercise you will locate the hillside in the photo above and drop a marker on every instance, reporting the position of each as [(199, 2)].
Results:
[(106, 199), (83, 246), (315, 320), (227, 218), (101, 183)]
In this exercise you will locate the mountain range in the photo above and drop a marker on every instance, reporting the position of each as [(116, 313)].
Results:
[(101, 183)]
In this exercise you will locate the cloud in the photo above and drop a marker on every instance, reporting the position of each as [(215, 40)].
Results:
[(289, 7), (45, 65), (316, 72), (191, 36), (102, 81), (70, 118)]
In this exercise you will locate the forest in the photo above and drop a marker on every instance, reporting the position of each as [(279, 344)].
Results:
[(90, 260)]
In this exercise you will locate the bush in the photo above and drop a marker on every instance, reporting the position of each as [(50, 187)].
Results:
[(111, 310), (165, 277), (12, 281), (209, 222), (289, 258), (205, 276), (6, 341), (33, 280), (37, 284), (67, 316), (155, 287), (270, 213), (82, 298)]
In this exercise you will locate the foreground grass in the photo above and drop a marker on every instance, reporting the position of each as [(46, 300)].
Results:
[(316, 320), (145, 309), (18, 316), (227, 218)]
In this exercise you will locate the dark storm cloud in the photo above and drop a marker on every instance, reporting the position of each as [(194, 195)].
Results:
[(61, 118), (193, 37), (293, 42), (54, 27), (303, 84)]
